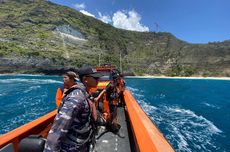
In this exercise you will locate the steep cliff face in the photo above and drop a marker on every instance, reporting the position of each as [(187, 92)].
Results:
[(39, 36)]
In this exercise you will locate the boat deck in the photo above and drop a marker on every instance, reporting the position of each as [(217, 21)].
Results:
[(109, 142)]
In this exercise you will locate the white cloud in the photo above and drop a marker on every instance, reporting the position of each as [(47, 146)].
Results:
[(104, 18), (80, 6), (125, 20), (128, 21), (87, 13)]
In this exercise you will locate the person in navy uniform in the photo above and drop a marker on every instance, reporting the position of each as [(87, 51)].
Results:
[(72, 129)]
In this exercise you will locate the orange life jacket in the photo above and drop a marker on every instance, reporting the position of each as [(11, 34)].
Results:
[(121, 85), (59, 95)]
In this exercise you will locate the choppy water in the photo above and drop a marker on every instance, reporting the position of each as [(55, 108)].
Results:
[(193, 115), (24, 98)]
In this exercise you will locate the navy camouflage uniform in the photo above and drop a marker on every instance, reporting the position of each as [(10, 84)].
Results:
[(72, 129)]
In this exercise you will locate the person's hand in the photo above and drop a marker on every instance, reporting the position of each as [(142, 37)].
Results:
[(99, 96)]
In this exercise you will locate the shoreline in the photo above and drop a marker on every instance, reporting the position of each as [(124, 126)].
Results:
[(166, 77), (141, 77)]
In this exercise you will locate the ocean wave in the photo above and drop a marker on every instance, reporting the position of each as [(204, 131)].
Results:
[(2, 94), (31, 81), (186, 129), (28, 110), (30, 75), (193, 119), (211, 105), (183, 144), (133, 89), (160, 96), (10, 124), (139, 95), (149, 109), (31, 89)]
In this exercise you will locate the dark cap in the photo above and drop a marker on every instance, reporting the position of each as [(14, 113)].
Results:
[(71, 75), (115, 74), (87, 70)]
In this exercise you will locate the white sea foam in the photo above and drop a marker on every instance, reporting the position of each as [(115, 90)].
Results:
[(31, 81), (148, 108), (184, 127), (187, 126), (183, 142), (132, 89), (211, 105), (32, 75), (28, 115), (160, 96), (199, 120), (2, 94), (138, 95), (32, 88)]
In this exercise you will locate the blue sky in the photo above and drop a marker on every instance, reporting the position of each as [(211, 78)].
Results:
[(194, 21)]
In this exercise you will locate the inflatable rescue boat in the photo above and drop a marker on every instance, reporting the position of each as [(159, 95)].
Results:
[(137, 132)]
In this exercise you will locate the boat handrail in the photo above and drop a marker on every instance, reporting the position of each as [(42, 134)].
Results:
[(147, 135)]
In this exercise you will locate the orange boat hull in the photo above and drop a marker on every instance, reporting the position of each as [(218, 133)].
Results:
[(147, 137)]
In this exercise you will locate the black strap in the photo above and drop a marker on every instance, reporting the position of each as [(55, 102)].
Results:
[(68, 92)]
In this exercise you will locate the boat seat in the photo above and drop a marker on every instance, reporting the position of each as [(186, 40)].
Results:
[(7, 148), (33, 143)]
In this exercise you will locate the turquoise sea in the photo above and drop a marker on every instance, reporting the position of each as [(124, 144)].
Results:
[(193, 114)]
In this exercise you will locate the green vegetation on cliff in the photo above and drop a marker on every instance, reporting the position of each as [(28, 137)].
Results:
[(38, 35)]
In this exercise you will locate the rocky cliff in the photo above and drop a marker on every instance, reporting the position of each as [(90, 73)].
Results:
[(39, 36)]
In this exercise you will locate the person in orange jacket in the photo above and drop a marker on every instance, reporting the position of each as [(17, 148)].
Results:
[(62, 89), (73, 126)]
